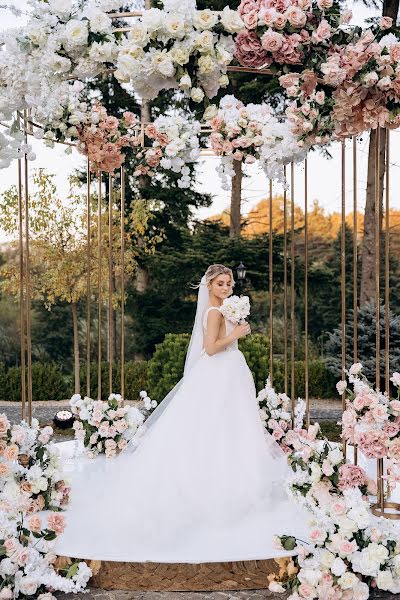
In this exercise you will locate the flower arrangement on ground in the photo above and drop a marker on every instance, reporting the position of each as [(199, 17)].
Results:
[(179, 47), (104, 426), (30, 482), (249, 133)]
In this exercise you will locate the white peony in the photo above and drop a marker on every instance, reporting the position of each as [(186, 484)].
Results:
[(100, 22), (76, 33), (61, 8), (152, 19)]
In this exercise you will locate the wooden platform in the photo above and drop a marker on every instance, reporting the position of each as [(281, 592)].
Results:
[(150, 576)]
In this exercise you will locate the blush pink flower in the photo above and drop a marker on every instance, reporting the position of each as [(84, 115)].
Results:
[(272, 41), (249, 51), (56, 523), (296, 17), (373, 444), (323, 32), (351, 476)]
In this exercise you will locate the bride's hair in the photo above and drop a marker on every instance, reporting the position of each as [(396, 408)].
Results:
[(212, 272)]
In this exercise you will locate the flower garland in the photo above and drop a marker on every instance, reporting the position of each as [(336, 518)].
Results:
[(247, 133), (104, 427), (174, 145), (31, 481), (179, 47)]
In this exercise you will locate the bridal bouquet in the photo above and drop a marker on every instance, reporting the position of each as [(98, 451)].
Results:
[(104, 427), (235, 308)]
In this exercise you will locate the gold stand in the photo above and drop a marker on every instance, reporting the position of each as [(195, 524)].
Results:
[(378, 508)]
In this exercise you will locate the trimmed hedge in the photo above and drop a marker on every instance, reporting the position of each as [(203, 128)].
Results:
[(135, 379), (321, 382), (48, 382)]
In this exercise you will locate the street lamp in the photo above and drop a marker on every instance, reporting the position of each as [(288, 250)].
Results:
[(241, 273)]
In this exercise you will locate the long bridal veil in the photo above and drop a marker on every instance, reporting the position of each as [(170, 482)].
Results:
[(192, 356)]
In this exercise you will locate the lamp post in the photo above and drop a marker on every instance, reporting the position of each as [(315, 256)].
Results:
[(241, 274)]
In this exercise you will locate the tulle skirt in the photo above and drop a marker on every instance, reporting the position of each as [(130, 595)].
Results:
[(205, 484)]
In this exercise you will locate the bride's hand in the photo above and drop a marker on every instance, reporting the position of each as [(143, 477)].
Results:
[(242, 330)]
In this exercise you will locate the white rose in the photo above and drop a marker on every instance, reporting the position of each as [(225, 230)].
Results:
[(224, 57), (175, 26), (231, 20), (355, 369), (327, 468), (139, 35), (378, 552), (152, 19), (197, 94), (38, 35), (341, 386), (347, 580), (364, 564), (204, 19), (384, 580), (179, 55), (185, 82), (166, 68), (206, 64), (28, 586), (126, 67), (58, 64), (395, 379), (276, 587), (338, 567), (224, 81), (335, 456), (315, 472), (310, 575), (211, 112), (76, 32), (326, 558), (204, 41)]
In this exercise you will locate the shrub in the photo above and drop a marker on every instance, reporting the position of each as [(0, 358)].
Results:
[(321, 383), (48, 383)]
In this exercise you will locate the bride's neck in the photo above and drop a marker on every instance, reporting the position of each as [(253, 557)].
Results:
[(214, 301)]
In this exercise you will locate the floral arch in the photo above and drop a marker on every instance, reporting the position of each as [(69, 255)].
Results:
[(337, 81)]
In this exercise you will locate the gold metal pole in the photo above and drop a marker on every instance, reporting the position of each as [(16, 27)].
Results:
[(343, 275), (99, 215), (307, 399), (355, 268), (377, 254), (122, 282), (88, 284), (285, 336), (110, 285), (271, 299), (21, 289), (28, 278), (387, 255), (292, 292)]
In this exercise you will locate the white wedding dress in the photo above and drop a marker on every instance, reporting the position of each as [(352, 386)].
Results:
[(206, 483)]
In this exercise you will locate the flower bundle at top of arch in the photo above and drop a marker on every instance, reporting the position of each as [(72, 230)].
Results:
[(337, 80)]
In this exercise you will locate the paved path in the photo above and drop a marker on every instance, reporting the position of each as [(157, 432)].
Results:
[(116, 595)]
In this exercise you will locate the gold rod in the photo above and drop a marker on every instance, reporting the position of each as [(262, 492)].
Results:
[(387, 256), (28, 279), (88, 283), (343, 274), (99, 288), (292, 296), (285, 336), (377, 254), (306, 291), (21, 289), (110, 284), (355, 268), (122, 282), (271, 299)]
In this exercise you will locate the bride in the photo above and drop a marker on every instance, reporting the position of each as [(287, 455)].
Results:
[(205, 482)]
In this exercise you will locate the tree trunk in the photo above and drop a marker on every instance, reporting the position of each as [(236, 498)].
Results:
[(367, 289), (77, 384), (236, 200)]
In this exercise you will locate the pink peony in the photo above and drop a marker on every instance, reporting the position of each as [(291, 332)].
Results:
[(351, 476), (373, 444), (394, 449), (247, 6), (391, 429)]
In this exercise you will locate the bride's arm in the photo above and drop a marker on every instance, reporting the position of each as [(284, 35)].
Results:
[(213, 344)]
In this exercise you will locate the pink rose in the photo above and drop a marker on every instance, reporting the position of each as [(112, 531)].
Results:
[(346, 547), (4, 424), (323, 31), (394, 449), (391, 429), (130, 118), (317, 535), (296, 17), (380, 413), (395, 405), (324, 4), (35, 524), (23, 556), (306, 590), (56, 523), (267, 16), (337, 508), (271, 41), (385, 22), (250, 19), (247, 6)]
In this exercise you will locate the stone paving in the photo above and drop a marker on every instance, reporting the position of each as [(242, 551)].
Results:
[(95, 594)]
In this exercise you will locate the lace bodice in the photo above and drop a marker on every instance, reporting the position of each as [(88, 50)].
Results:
[(229, 327)]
